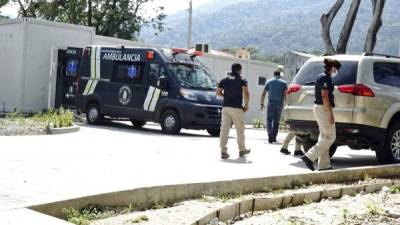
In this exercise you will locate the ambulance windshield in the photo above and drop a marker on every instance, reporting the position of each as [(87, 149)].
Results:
[(193, 76)]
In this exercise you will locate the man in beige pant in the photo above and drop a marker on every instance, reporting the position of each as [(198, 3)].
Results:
[(233, 89)]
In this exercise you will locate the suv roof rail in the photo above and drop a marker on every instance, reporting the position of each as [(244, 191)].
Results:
[(377, 54)]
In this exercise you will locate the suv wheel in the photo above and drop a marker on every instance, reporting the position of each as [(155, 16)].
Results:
[(93, 114), (214, 132), (307, 145), (170, 122), (391, 152), (138, 123)]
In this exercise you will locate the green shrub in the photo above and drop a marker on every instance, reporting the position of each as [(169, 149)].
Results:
[(258, 123), (13, 116), (56, 119), (86, 214)]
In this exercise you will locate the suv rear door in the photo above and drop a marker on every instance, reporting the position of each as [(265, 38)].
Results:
[(302, 94)]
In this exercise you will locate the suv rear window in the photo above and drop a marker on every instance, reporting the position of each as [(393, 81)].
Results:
[(387, 73), (309, 72)]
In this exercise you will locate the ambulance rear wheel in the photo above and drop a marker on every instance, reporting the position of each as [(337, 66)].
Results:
[(214, 132), (138, 123), (93, 115), (170, 122)]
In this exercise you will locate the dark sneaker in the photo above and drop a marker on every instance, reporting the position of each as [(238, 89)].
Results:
[(224, 155), (243, 153), (298, 153), (308, 162), (285, 151), (270, 141), (329, 168)]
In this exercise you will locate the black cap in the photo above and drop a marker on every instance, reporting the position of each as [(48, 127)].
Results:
[(277, 73)]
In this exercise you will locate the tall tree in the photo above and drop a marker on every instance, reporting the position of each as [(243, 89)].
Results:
[(114, 18), (3, 3), (348, 27), (326, 22), (376, 24)]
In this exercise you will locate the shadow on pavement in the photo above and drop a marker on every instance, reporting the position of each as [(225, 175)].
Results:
[(122, 127), (354, 161), (241, 160), (340, 162)]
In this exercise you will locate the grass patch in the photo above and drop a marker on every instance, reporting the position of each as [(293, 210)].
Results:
[(86, 214), (159, 205), (307, 201), (366, 177), (47, 119), (373, 209), (395, 190), (225, 197), (258, 123), (139, 219), (55, 118)]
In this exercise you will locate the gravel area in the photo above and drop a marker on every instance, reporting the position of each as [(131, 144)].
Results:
[(180, 214), (188, 212), (364, 209), (20, 127)]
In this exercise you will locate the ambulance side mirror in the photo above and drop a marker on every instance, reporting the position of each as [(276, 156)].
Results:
[(162, 83)]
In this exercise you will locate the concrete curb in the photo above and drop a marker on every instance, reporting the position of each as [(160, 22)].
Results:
[(146, 197), (64, 130), (288, 200)]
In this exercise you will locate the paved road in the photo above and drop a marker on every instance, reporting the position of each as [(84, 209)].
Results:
[(37, 169)]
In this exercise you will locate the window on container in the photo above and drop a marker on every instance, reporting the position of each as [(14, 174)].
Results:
[(387, 73), (262, 81), (130, 73)]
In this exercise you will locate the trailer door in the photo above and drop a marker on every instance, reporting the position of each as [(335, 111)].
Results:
[(67, 74)]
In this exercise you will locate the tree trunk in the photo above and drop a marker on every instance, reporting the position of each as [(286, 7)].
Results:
[(326, 21), (375, 25), (348, 27), (23, 12), (89, 13)]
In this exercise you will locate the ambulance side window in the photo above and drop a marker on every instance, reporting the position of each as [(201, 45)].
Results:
[(84, 68), (154, 72), (127, 73)]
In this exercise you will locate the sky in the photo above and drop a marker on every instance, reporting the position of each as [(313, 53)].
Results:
[(171, 6)]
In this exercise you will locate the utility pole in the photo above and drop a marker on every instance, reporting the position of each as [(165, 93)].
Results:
[(189, 38)]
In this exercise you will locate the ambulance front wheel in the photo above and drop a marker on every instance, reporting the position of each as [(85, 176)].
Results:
[(170, 122), (138, 123), (93, 115)]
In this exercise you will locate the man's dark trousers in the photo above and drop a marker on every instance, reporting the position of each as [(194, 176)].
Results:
[(274, 112)]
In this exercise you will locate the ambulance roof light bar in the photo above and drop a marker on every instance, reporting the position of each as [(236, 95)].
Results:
[(197, 53), (176, 51), (192, 53)]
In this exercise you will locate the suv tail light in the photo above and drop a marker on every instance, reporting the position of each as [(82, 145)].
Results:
[(294, 88), (357, 90)]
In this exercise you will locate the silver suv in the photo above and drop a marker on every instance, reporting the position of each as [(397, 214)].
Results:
[(367, 97)]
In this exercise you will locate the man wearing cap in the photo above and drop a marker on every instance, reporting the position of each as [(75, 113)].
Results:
[(277, 90), (233, 90)]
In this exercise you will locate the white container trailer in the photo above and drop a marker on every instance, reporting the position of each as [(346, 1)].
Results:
[(28, 61)]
